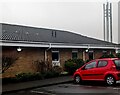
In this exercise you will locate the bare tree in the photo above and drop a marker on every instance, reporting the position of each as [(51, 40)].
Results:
[(7, 62)]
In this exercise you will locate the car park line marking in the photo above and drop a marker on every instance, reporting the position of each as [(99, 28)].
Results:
[(39, 92), (43, 93), (116, 88), (96, 86)]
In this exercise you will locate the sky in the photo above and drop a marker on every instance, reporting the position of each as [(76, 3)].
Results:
[(80, 16)]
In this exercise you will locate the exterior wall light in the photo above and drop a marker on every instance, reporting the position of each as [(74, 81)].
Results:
[(19, 49), (86, 50), (116, 50)]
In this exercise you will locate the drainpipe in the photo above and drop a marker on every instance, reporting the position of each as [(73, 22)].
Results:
[(46, 51)]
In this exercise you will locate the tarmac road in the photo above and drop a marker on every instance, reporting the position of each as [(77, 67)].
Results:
[(90, 88)]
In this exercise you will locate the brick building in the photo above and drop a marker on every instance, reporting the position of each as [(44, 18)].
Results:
[(29, 44)]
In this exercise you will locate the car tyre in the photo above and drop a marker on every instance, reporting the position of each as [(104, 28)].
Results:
[(77, 79), (110, 80)]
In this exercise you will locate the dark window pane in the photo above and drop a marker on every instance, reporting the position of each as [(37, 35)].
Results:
[(117, 63), (74, 55), (104, 52), (102, 63), (55, 56), (90, 65), (90, 55)]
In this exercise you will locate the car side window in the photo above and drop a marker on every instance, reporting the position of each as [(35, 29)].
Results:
[(90, 65), (102, 63)]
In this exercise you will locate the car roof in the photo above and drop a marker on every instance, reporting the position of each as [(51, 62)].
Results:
[(107, 59)]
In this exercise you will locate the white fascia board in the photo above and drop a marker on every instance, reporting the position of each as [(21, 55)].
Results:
[(24, 44), (93, 47), (67, 46), (56, 45)]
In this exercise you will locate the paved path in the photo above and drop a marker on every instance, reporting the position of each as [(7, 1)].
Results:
[(34, 84)]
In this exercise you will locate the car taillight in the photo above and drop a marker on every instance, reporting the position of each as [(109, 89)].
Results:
[(113, 67)]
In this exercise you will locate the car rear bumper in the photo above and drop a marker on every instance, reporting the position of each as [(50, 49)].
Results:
[(117, 76)]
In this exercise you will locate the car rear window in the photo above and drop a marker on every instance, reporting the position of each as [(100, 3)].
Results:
[(117, 63)]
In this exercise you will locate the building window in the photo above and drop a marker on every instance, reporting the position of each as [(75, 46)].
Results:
[(104, 52), (55, 55), (74, 54)]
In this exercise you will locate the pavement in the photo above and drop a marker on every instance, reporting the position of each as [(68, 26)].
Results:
[(34, 84)]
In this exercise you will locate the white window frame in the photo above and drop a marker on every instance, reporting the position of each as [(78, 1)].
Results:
[(56, 63)]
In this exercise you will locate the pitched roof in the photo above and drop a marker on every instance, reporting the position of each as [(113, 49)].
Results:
[(32, 34)]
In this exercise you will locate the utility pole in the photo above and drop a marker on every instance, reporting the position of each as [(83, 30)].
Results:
[(104, 21), (107, 21), (111, 21)]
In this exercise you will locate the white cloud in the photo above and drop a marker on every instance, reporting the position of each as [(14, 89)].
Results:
[(59, 0), (0, 12)]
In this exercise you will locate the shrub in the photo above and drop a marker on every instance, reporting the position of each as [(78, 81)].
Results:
[(53, 72), (72, 64), (50, 74), (87, 61), (107, 56), (57, 69), (111, 56), (28, 76), (40, 66)]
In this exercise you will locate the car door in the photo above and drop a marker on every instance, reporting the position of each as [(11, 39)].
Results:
[(101, 69), (88, 71)]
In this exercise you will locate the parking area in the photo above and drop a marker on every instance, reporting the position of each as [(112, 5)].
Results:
[(89, 88)]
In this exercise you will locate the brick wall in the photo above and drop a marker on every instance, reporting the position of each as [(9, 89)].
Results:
[(27, 56), (65, 54), (25, 59), (98, 54)]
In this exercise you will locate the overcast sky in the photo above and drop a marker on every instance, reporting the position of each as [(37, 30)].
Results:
[(85, 18)]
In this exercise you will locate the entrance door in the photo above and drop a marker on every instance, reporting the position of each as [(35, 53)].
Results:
[(91, 55)]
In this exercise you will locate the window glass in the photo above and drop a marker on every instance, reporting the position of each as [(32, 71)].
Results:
[(90, 65), (102, 63), (117, 63), (74, 55), (104, 52), (55, 56)]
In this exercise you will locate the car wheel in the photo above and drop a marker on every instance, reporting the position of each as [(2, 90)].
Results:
[(110, 80), (77, 79)]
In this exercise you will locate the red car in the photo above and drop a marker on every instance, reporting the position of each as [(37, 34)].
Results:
[(106, 69)]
